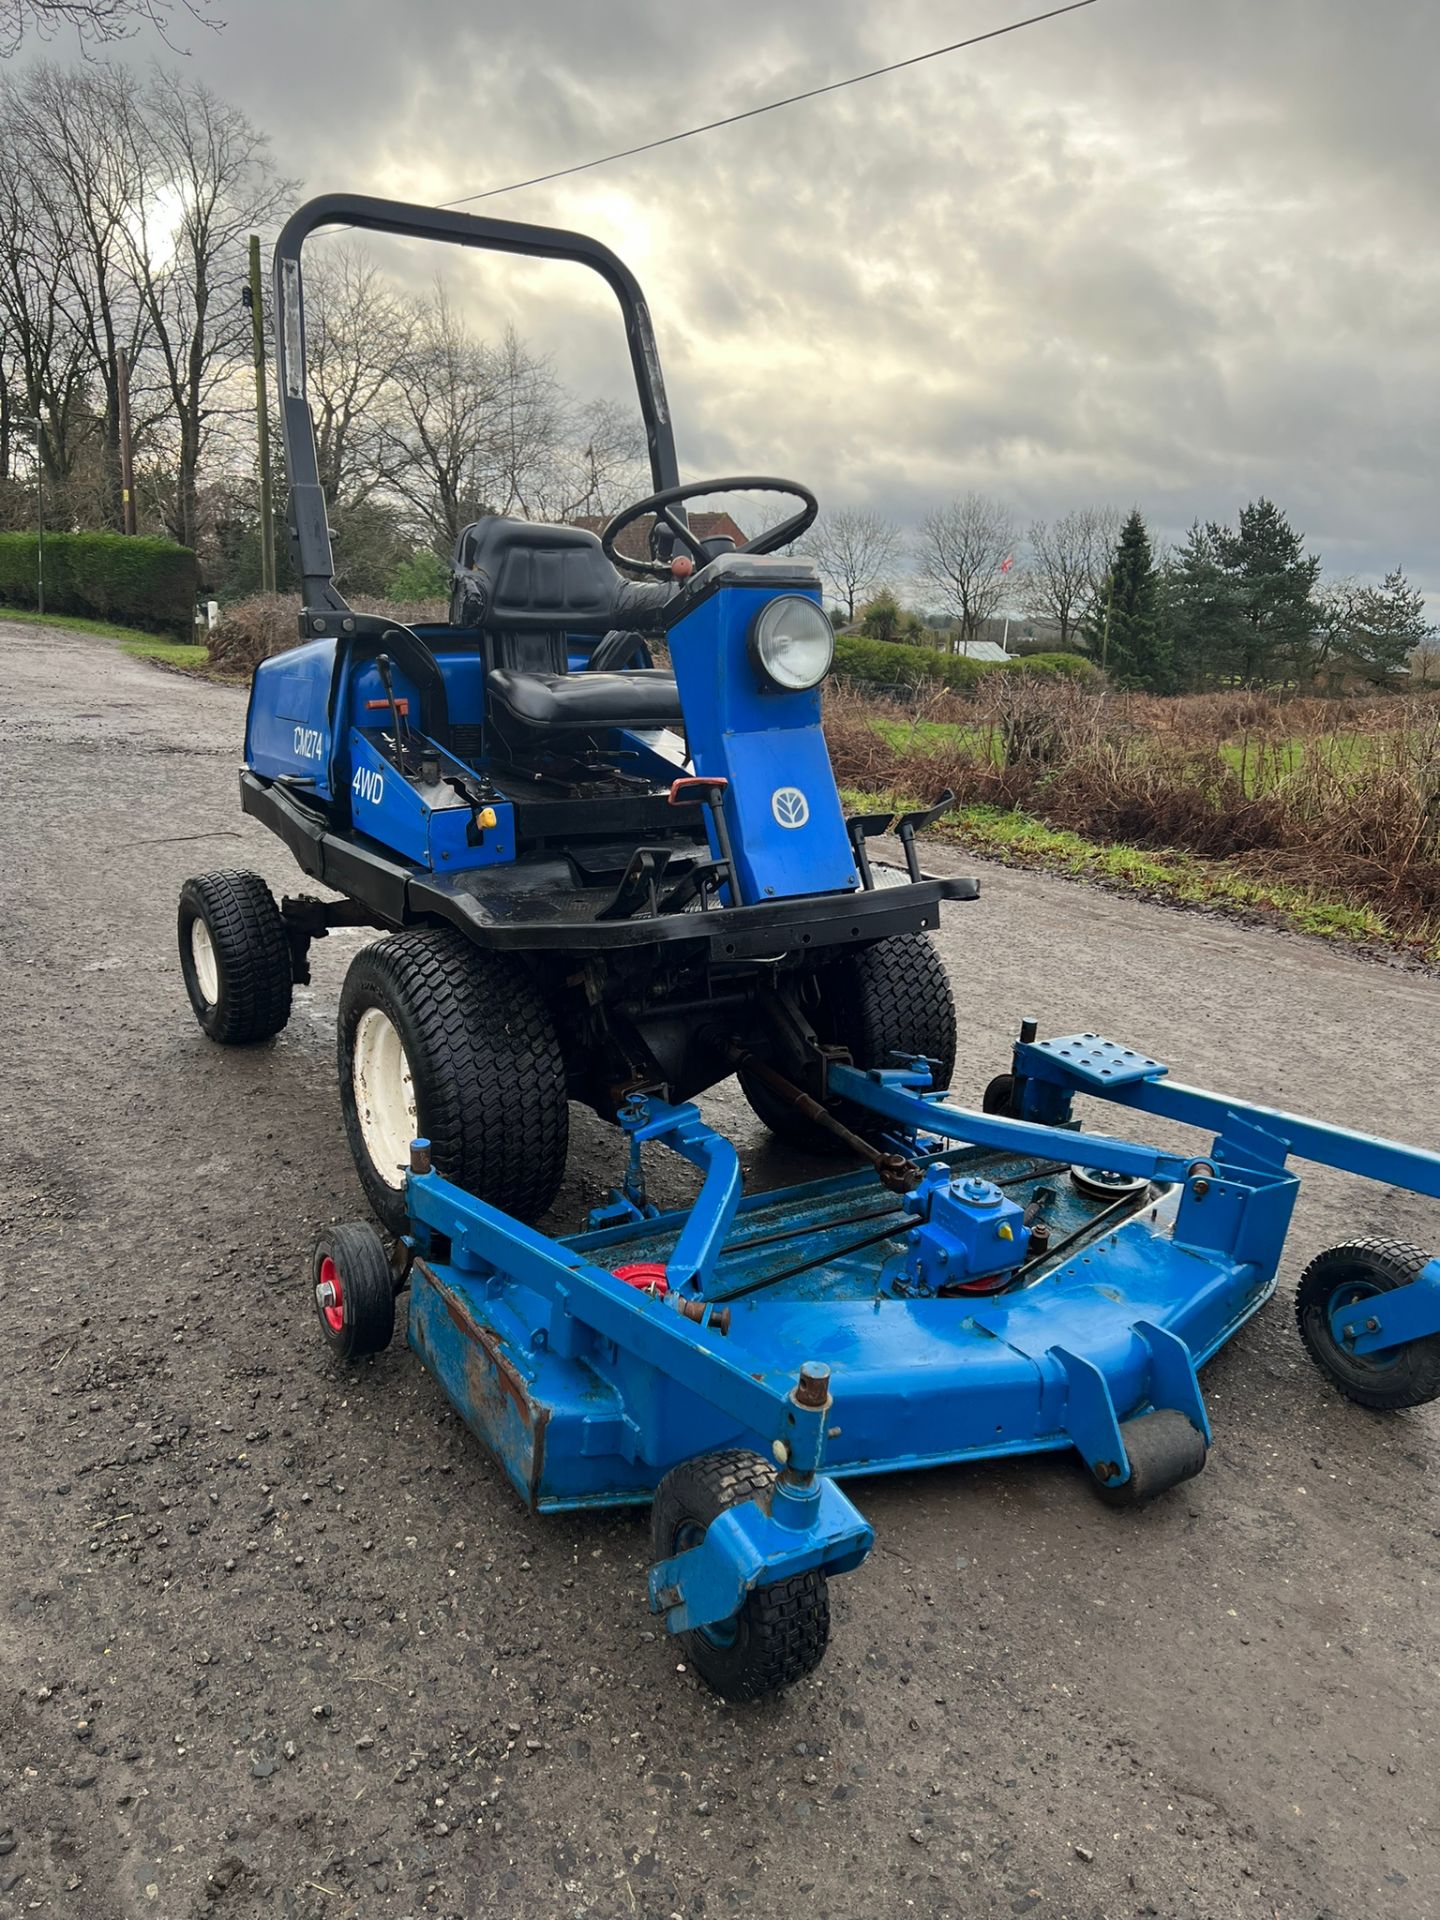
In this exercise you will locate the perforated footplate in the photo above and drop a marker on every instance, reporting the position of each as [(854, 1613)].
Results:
[(1095, 1062)]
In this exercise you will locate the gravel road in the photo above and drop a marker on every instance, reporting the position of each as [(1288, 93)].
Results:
[(278, 1640)]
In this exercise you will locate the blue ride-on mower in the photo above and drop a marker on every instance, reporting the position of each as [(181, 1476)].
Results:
[(606, 880)]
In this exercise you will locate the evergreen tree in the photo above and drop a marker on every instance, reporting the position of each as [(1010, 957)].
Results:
[(1202, 608), (1124, 631), (1387, 623), (1275, 582)]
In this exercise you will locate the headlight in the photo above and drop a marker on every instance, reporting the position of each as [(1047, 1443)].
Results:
[(792, 644)]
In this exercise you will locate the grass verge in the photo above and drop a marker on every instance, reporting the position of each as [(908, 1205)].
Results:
[(180, 656), (1021, 840)]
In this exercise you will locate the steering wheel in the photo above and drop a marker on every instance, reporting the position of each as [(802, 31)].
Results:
[(663, 505)]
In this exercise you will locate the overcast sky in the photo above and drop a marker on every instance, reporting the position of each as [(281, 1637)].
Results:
[(1173, 252)]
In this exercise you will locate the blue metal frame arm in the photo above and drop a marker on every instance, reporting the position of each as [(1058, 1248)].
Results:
[(684, 1132), (1084, 1063), (886, 1091), (745, 1547), (1393, 1319)]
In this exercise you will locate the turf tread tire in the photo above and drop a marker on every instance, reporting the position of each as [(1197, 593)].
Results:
[(252, 954), (891, 998), (487, 1068), (783, 1629), (1412, 1377)]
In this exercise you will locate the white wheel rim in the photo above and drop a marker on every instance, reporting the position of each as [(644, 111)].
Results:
[(384, 1095), (207, 967)]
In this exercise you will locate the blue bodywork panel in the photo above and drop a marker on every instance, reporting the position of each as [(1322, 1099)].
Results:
[(782, 807), (287, 729), (430, 825)]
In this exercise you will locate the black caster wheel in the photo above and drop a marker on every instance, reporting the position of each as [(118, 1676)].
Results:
[(999, 1096), (1164, 1449), (1331, 1298), (354, 1290), (780, 1633)]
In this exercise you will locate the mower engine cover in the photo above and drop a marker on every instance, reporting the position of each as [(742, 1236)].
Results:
[(781, 804)]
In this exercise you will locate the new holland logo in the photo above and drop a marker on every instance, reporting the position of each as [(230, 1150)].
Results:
[(789, 806)]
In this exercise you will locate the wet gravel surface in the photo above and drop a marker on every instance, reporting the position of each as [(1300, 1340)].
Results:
[(278, 1640)]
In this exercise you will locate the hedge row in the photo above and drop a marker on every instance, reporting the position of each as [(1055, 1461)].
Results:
[(134, 581), (888, 663)]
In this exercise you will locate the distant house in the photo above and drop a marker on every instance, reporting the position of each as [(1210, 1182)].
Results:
[(634, 542), (1342, 672)]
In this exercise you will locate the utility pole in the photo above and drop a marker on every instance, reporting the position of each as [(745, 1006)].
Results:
[(31, 424), (127, 450), (255, 300)]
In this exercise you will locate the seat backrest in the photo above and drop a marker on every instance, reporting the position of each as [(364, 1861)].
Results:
[(526, 574)]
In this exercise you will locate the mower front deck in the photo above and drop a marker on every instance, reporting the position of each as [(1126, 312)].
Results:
[(920, 1381)]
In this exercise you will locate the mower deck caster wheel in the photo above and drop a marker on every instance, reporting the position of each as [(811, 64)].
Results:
[(1163, 1449), (780, 1633), (1332, 1296), (354, 1290), (999, 1096)]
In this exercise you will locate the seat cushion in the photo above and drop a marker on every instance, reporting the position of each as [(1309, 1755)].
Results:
[(645, 697)]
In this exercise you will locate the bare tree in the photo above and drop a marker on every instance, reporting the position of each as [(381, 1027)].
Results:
[(962, 556), (1069, 558), (526, 427), (43, 359), (93, 22), (855, 550), (70, 128), (600, 463), (358, 330), (447, 391), (205, 181)]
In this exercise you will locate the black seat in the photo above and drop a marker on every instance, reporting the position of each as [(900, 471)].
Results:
[(645, 697), (527, 585), (525, 576)]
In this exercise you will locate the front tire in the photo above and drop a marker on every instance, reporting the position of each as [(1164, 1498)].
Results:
[(234, 957), (1346, 1277), (892, 998), (439, 1039), (781, 1632)]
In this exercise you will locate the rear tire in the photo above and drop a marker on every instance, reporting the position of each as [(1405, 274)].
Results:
[(781, 1632), (234, 957), (439, 1039), (892, 998), (1395, 1377)]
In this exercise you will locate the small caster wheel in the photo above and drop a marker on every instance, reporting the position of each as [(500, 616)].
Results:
[(354, 1290), (780, 1633), (999, 1096), (1163, 1450), (1331, 1297)]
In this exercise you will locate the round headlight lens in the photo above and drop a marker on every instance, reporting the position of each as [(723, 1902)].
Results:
[(792, 643)]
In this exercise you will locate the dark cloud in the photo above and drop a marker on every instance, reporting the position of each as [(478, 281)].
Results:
[(1160, 251)]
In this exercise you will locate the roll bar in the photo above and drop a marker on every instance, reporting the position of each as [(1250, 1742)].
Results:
[(308, 522)]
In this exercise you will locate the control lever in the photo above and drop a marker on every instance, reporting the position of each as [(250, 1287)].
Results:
[(711, 793), (907, 828), (862, 827)]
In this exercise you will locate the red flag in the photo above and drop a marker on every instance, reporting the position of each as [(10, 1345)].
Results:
[(1007, 563)]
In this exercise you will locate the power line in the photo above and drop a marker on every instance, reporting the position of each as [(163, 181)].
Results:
[(773, 106)]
